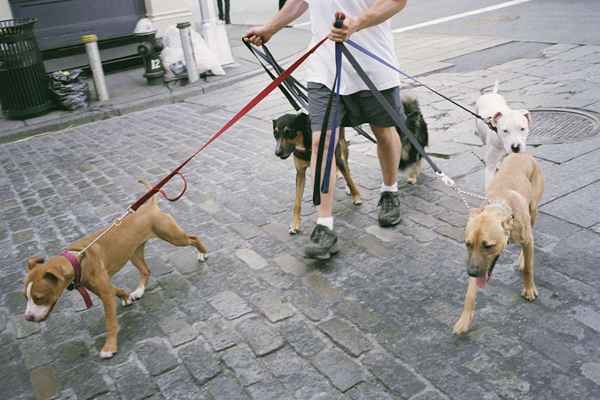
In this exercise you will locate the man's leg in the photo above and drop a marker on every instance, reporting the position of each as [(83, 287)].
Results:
[(388, 152), (323, 241)]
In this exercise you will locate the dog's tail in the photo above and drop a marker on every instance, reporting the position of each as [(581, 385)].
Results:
[(148, 186), (495, 89)]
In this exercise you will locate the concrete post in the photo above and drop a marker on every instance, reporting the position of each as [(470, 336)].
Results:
[(214, 32), (188, 50), (91, 47)]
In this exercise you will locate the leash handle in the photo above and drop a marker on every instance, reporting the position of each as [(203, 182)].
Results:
[(174, 199), (339, 20)]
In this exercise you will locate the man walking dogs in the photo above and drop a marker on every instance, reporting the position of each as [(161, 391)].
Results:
[(367, 21)]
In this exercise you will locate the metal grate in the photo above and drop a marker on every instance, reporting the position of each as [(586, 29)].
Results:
[(561, 125)]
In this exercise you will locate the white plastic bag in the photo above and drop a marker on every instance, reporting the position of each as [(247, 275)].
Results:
[(172, 53)]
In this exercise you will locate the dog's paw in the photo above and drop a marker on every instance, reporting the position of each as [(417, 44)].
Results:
[(411, 180), (136, 294), (107, 352), (529, 293), (202, 257), (464, 323), (348, 191), (294, 230), (357, 201), (127, 302)]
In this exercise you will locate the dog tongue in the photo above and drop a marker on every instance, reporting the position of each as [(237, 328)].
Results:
[(482, 280)]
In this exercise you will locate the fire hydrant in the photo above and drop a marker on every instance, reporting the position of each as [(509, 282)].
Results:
[(149, 49)]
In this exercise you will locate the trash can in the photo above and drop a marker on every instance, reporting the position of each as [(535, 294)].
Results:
[(23, 79)]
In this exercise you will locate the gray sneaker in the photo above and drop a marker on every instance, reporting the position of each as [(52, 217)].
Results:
[(323, 243), (389, 212)]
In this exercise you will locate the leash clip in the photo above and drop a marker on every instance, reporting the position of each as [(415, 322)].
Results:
[(446, 179)]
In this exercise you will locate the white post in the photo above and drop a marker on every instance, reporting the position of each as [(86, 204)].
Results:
[(214, 32), (91, 47), (188, 51)]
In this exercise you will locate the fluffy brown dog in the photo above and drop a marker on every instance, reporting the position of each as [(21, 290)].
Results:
[(509, 214), (46, 280)]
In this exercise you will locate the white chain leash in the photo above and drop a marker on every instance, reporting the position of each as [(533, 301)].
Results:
[(461, 193), (116, 223)]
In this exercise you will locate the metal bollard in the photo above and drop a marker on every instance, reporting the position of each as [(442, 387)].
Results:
[(188, 51), (91, 47)]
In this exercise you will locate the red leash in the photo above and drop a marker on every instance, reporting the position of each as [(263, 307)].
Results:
[(251, 104)]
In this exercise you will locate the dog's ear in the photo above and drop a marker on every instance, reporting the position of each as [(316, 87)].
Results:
[(274, 125), (508, 223), (52, 277), (33, 262), (495, 119), (526, 114)]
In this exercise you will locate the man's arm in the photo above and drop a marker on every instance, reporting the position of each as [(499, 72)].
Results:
[(290, 11), (381, 11)]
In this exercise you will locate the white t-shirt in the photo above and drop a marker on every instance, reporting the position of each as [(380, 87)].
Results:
[(320, 66)]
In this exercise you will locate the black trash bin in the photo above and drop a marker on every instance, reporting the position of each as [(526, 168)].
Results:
[(23, 78)]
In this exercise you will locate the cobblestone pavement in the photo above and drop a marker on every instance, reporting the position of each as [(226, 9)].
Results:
[(257, 321)]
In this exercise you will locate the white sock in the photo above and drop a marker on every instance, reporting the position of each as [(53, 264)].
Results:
[(325, 221), (392, 188)]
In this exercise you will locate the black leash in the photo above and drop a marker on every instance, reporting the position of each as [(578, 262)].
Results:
[(398, 119), (387, 64), (294, 91)]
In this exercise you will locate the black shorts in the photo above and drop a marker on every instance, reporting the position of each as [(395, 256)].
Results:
[(355, 109)]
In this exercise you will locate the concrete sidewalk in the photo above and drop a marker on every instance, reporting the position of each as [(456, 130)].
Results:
[(129, 91), (258, 321)]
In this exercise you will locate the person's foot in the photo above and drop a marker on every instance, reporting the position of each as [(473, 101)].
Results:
[(323, 243), (389, 211)]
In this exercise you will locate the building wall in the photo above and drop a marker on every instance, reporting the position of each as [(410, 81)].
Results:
[(5, 12)]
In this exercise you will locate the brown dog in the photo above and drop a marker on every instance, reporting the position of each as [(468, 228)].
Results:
[(46, 280), (293, 136), (509, 214)]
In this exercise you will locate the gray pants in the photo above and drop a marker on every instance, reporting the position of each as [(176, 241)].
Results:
[(355, 109)]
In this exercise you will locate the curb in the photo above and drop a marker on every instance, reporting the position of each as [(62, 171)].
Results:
[(103, 112)]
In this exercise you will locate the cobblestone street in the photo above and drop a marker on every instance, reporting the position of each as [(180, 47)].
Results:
[(257, 320)]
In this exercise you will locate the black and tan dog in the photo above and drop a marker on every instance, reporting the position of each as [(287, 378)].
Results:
[(410, 159), (293, 136), (509, 214)]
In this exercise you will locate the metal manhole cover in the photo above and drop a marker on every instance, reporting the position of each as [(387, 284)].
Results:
[(562, 125)]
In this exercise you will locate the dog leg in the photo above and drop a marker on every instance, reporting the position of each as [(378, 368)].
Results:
[(492, 157), (529, 290), (301, 167), (344, 167), (112, 325), (414, 172), (124, 296), (140, 263), (468, 314), (166, 228)]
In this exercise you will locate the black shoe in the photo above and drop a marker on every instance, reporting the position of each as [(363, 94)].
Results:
[(389, 213), (323, 243)]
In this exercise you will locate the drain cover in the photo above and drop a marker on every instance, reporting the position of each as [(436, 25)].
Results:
[(562, 125)]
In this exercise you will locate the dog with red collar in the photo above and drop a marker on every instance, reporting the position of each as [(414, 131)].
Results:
[(46, 280)]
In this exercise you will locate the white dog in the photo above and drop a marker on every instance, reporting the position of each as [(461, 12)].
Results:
[(512, 129)]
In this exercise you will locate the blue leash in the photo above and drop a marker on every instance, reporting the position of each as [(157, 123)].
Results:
[(387, 64), (334, 123)]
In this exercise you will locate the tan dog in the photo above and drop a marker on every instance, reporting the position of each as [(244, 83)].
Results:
[(513, 197), (46, 280)]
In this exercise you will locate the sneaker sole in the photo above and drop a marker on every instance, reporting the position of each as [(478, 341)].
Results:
[(387, 224), (325, 256)]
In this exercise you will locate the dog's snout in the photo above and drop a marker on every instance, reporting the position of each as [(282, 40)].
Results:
[(473, 270), (29, 317), (515, 148)]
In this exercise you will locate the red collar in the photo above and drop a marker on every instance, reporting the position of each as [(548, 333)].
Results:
[(76, 284)]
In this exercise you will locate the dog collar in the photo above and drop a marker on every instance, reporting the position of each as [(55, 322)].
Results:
[(302, 154), (76, 283)]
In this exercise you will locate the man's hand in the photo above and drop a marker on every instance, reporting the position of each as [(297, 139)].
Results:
[(350, 25), (259, 35)]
